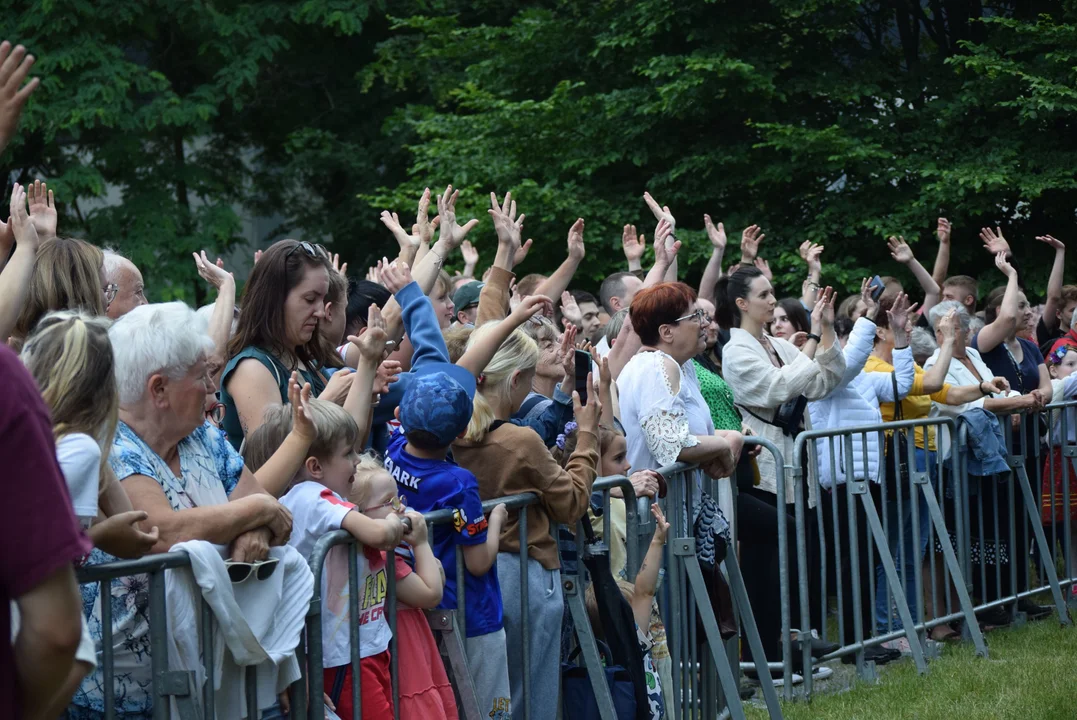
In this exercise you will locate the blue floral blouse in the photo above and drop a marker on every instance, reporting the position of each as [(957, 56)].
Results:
[(206, 460)]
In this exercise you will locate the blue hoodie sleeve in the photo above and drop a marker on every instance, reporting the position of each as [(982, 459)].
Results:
[(421, 325), (549, 417)]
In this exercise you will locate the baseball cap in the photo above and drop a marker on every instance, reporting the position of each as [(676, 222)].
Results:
[(467, 295), (438, 401)]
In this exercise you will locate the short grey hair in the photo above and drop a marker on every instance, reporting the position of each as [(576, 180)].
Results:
[(161, 338), (922, 341), (112, 263), (617, 320), (940, 311)]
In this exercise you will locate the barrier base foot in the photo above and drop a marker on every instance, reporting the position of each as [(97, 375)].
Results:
[(932, 649)]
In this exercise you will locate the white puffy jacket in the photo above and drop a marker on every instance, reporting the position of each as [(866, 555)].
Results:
[(855, 401)]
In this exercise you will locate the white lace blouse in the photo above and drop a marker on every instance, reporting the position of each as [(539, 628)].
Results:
[(658, 423)]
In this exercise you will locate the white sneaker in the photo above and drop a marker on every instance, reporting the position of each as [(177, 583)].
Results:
[(821, 673), (779, 681)]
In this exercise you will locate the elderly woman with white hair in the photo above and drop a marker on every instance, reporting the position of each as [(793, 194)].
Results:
[(183, 473)]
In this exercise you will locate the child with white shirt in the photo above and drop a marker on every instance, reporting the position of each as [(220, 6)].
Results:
[(317, 502)]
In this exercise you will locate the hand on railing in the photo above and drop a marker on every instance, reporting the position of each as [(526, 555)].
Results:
[(644, 483)]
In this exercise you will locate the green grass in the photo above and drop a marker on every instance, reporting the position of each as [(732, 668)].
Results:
[(1031, 674)]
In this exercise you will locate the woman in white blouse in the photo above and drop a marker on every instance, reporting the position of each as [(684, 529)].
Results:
[(663, 412)]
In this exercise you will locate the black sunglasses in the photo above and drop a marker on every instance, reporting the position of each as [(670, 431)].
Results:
[(312, 249)]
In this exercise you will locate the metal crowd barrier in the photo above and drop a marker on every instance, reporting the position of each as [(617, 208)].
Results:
[(1062, 417), (167, 684)]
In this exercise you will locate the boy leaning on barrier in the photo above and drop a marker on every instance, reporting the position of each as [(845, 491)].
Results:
[(316, 499)]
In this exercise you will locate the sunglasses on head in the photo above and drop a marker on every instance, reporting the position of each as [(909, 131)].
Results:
[(398, 504), (240, 572), (312, 249)]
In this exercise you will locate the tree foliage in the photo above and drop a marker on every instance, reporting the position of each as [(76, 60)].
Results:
[(838, 121)]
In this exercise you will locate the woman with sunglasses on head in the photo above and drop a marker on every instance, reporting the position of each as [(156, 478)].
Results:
[(277, 334)]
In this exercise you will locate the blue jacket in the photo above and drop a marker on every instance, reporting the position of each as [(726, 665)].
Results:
[(986, 443)]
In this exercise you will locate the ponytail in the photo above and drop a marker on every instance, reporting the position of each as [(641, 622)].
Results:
[(728, 290)]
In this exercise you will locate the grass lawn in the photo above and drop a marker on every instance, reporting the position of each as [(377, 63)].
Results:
[(1031, 674)]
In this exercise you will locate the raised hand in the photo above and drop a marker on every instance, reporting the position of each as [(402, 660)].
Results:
[(471, 258), (424, 225), (764, 267), (634, 246), (394, 275), (576, 249), (587, 415), (822, 315), (14, 67), (24, 229), (408, 243), (341, 268), (302, 417), (716, 235), (660, 213), (521, 252), (371, 344), (42, 209), (943, 231), (662, 255), (570, 310), (811, 253), (1052, 241), (749, 244), (900, 315), (948, 325), (532, 305), (1002, 264), (213, 273), (900, 250), (509, 228), (661, 526), (452, 234), (993, 241), (566, 352), (871, 307), (387, 374)]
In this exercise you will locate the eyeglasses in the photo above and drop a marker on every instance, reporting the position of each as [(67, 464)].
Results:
[(699, 316), (398, 504), (241, 572), (313, 250), (110, 291), (216, 413)]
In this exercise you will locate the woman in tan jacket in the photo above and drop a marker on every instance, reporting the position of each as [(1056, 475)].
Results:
[(508, 459)]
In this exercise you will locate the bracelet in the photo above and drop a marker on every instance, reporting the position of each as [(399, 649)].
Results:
[(813, 336), (813, 284)]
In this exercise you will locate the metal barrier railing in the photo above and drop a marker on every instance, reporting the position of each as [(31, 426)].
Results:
[(1061, 421), (168, 684)]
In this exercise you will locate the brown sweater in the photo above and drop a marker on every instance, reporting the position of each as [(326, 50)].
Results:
[(513, 459), (494, 298)]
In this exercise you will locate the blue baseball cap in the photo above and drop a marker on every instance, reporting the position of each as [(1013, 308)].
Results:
[(438, 401)]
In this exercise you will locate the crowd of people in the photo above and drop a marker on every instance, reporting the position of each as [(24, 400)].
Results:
[(321, 401)]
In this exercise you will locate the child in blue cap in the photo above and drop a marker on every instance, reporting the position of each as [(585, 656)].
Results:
[(433, 412)]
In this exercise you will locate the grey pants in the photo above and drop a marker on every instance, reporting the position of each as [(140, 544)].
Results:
[(488, 663), (545, 609)]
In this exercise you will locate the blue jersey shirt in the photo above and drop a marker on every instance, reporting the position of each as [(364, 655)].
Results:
[(431, 485)]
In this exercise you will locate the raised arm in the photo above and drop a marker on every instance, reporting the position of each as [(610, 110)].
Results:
[(15, 279), (634, 247), (1054, 283), (942, 257), (995, 333), (494, 298), (224, 308), (480, 353), (557, 283), (664, 254), (14, 67), (900, 251), (662, 213), (647, 577), (713, 271), (276, 474), (372, 351), (811, 253)]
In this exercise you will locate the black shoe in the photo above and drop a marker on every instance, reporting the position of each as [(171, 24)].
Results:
[(1032, 610), (876, 654), (996, 616)]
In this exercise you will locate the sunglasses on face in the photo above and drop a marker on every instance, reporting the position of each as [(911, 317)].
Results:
[(398, 504), (241, 572), (313, 250)]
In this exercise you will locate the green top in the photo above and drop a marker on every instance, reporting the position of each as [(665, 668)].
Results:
[(719, 399)]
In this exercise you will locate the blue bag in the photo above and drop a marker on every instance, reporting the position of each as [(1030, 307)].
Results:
[(578, 698)]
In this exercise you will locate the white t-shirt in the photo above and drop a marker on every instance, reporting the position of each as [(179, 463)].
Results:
[(79, 456), (317, 510)]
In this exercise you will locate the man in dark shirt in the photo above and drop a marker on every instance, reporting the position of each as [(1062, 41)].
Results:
[(41, 539)]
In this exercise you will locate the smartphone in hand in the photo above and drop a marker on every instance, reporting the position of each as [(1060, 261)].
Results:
[(583, 367)]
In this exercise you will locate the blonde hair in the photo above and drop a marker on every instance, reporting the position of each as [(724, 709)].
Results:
[(333, 427), (369, 463), (456, 338), (518, 352), (66, 276), (70, 357)]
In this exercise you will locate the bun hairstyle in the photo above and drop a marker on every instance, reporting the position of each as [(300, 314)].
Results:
[(728, 290)]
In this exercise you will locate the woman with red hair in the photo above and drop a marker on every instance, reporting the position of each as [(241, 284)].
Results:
[(668, 421)]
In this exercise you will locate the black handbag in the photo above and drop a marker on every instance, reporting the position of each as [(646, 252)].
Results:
[(897, 468)]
